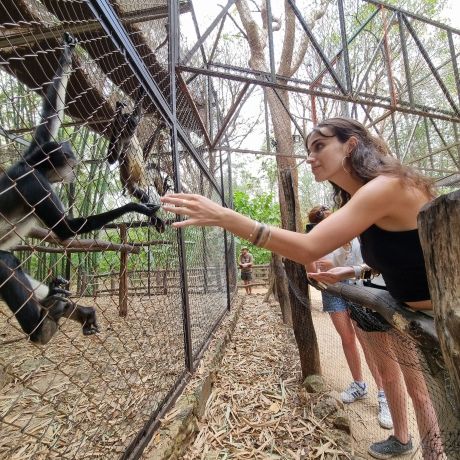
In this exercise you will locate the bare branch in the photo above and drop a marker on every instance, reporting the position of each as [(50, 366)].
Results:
[(257, 37), (305, 42)]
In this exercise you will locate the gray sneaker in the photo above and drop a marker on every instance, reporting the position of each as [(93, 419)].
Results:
[(391, 447)]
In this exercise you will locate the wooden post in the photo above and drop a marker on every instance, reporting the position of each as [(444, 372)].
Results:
[(165, 282), (299, 295), (123, 278), (84, 283), (439, 228)]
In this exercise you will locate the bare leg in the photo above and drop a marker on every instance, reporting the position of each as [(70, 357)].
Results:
[(379, 346), (416, 386), (370, 360), (344, 327), (246, 287)]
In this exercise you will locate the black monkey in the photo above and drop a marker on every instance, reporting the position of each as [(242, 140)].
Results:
[(27, 199), (124, 147)]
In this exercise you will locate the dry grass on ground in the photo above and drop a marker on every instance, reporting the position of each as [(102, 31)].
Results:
[(258, 409)]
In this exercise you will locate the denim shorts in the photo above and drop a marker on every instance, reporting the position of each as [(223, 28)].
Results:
[(333, 304)]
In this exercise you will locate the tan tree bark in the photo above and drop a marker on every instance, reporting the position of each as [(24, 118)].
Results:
[(439, 224), (278, 103)]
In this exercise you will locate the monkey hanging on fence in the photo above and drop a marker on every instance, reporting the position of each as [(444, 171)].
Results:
[(124, 147), (28, 199)]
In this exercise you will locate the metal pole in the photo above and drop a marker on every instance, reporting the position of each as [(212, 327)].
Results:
[(271, 49), (173, 25)]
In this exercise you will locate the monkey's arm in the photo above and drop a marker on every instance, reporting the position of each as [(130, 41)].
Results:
[(40, 196), (54, 100), (115, 147)]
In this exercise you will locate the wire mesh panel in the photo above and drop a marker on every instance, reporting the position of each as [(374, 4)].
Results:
[(92, 317)]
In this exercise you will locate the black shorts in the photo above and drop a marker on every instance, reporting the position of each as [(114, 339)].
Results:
[(367, 319), (246, 276)]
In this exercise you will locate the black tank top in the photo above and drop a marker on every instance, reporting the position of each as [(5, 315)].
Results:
[(398, 257)]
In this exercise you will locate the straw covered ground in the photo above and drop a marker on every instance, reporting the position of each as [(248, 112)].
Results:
[(258, 408)]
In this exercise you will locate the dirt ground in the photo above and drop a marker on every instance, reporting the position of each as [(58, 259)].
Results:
[(238, 422)]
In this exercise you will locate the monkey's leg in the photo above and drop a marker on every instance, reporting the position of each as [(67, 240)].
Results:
[(38, 320), (17, 292), (58, 307)]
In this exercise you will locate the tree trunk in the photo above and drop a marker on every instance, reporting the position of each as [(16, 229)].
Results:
[(439, 224), (278, 102), (299, 294), (282, 289)]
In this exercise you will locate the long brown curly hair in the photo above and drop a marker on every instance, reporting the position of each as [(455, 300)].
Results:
[(370, 158)]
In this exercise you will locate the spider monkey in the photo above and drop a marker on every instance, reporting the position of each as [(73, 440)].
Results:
[(124, 147), (27, 198), (162, 181)]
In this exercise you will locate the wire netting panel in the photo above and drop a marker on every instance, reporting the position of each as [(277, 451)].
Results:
[(77, 395), (205, 261)]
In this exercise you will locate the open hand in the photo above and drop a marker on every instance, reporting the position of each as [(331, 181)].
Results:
[(323, 265), (333, 275), (201, 211)]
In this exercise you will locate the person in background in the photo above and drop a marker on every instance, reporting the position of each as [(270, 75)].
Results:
[(245, 262), (379, 200), (349, 255)]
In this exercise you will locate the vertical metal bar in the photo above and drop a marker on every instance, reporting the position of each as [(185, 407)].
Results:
[(267, 122), (314, 112), (387, 58), (428, 140), (402, 39), (453, 56), (227, 262), (271, 49), (395, 135), (346, 57), (230, 202), (173, 47)]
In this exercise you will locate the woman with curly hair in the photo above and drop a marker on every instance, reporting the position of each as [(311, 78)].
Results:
[(379, 200)]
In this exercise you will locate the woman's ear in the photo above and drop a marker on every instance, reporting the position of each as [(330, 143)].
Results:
[(352, 144)]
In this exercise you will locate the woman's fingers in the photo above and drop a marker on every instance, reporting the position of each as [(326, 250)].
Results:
[(324, 277)]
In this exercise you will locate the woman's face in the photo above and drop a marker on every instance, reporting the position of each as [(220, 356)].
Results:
[(326, 155)]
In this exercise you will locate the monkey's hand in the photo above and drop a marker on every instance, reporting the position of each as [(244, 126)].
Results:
[(159, 224), (87, 317), (148, 209), (70, 40), (57, 286)]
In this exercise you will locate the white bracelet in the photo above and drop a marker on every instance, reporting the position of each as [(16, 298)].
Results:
[(357, 269)]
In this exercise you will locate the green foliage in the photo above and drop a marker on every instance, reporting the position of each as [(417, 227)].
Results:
[(261, 207)]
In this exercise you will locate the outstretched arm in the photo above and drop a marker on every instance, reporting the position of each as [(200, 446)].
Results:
[(66, 227), (39, 196), (368, 206)]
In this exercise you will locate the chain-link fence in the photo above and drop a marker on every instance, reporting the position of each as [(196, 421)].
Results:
[(94, 77)]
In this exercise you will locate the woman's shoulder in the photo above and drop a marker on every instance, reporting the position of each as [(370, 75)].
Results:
[(392, 188)]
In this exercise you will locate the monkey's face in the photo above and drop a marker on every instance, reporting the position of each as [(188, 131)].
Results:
[(61, 164)]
